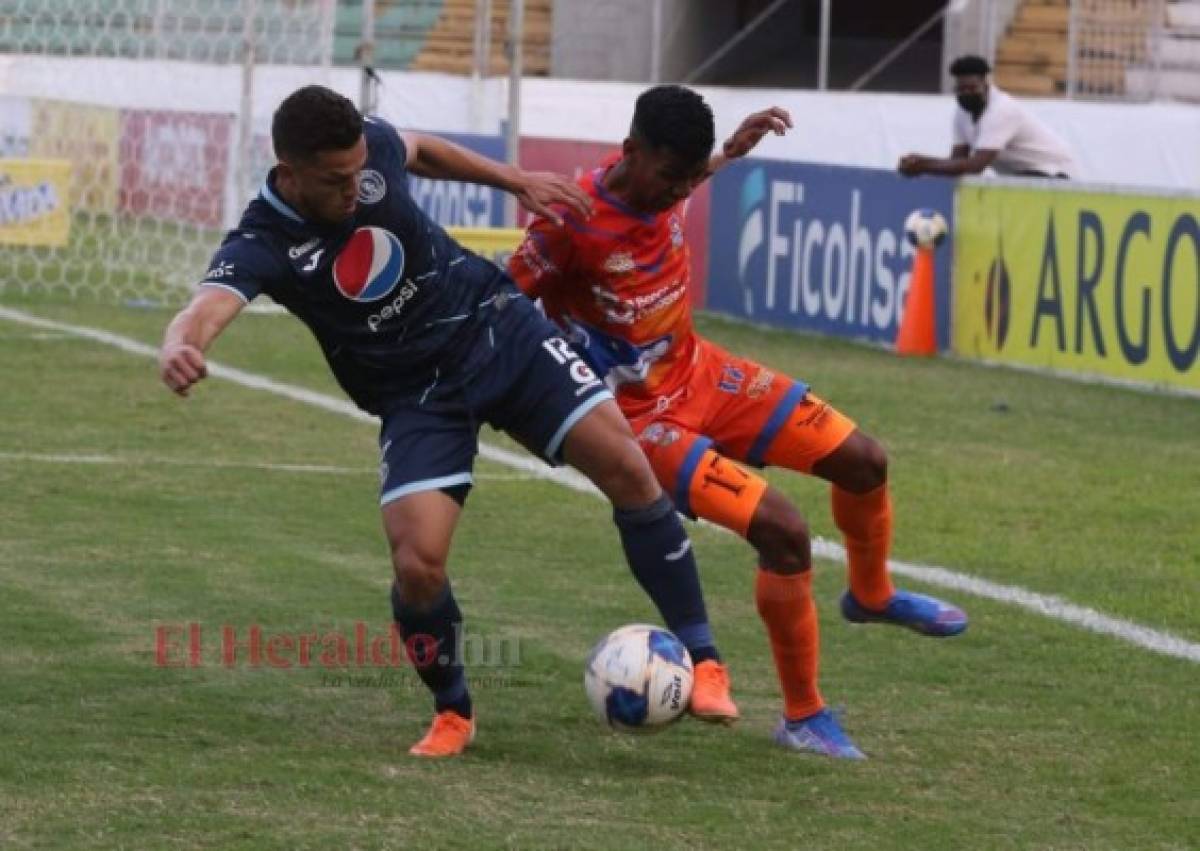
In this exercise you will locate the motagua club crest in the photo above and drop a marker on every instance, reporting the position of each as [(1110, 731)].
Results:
[(371, 186)]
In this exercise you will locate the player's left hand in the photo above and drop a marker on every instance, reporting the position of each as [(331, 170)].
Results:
[(911, 165), (537, 190), (775, 120)]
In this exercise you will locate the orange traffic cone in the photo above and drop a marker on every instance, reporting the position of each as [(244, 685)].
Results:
[(918, 328)]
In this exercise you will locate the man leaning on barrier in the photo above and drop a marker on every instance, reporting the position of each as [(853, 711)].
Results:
[(991, 128)]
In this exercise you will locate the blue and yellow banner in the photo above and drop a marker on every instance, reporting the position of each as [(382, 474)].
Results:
[(1104, 284), (466, 205), (34, 202), (821, 248), (496, 244)]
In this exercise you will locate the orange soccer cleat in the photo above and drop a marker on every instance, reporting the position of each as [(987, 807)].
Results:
[(710, 694), (449, 735)]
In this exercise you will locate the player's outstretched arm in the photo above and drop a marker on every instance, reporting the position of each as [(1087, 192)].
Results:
[(775, 120), (911, 165), (434, 157), (181, 357)]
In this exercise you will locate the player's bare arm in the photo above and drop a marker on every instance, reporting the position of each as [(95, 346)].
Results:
[(775, 120), (181, 358), (434, 157), (912, 165)]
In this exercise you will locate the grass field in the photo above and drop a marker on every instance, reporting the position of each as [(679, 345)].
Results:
[(1024, 733)]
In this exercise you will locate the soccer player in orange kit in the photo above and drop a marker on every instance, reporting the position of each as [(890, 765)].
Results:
[(618, 283)]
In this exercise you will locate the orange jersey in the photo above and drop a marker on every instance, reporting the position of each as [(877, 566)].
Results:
[(618, 283)]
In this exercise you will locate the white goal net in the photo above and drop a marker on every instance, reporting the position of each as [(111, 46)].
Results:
[(133, 131)]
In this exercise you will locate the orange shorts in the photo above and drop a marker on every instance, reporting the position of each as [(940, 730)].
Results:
[(734, 408)]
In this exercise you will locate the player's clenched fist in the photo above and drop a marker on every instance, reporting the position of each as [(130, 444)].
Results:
[(181, 366)]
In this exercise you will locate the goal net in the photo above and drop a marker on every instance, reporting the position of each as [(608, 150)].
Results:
[(132, 132)]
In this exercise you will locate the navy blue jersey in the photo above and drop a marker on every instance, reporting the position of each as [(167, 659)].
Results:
[(401, 311)]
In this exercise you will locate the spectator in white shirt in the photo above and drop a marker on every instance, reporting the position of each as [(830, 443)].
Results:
[(992, 129)]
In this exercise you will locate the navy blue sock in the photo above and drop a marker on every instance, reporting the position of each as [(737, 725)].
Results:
[(430, 636), (659, 553)]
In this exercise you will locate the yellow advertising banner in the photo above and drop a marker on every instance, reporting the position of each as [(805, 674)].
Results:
[(1101, 283), (88, 136), (496, 244), (33, 202)]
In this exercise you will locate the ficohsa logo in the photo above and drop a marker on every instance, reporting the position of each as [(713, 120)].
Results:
[(822, 254), (750, 207), (370, 265)]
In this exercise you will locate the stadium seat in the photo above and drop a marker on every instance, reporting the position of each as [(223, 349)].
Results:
[(429, 35), (450, 45), (1122, 49)]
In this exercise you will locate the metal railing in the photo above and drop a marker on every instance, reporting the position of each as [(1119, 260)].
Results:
[(1112, 43), (1129, 50), (1134, 50)]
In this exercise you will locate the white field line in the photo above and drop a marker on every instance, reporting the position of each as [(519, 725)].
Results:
[(40, 335), (1050, 606), (151, 460)]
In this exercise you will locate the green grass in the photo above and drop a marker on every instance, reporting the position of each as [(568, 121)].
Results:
[(1024, 733)]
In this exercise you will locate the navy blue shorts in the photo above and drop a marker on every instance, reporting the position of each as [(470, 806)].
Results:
[(535, 389)]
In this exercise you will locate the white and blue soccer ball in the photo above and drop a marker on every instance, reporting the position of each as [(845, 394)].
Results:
[(925, 228), (638, 678)]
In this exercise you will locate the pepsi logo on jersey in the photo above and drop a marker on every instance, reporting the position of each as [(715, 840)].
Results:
[(370, 265)]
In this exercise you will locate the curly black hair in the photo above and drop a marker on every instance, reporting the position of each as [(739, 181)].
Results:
[(677, 119), (965, 66), (314, 119)]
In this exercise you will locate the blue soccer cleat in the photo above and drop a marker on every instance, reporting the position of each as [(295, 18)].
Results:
[(820, 733), (919, 612)]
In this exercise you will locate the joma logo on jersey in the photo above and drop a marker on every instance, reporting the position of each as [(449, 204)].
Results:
[(298, 251), (224, 269)]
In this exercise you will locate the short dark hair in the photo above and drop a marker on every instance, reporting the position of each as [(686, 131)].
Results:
[(675, 118), (314, 119), (965, 66)]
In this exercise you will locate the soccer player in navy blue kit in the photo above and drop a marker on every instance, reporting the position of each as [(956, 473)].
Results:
[(435, 341)]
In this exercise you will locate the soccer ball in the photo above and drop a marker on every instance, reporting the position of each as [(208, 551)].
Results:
[(638, 678), (925, 228)]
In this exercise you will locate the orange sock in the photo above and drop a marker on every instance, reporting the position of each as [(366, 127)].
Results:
[(866, 522), (786, 606)]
